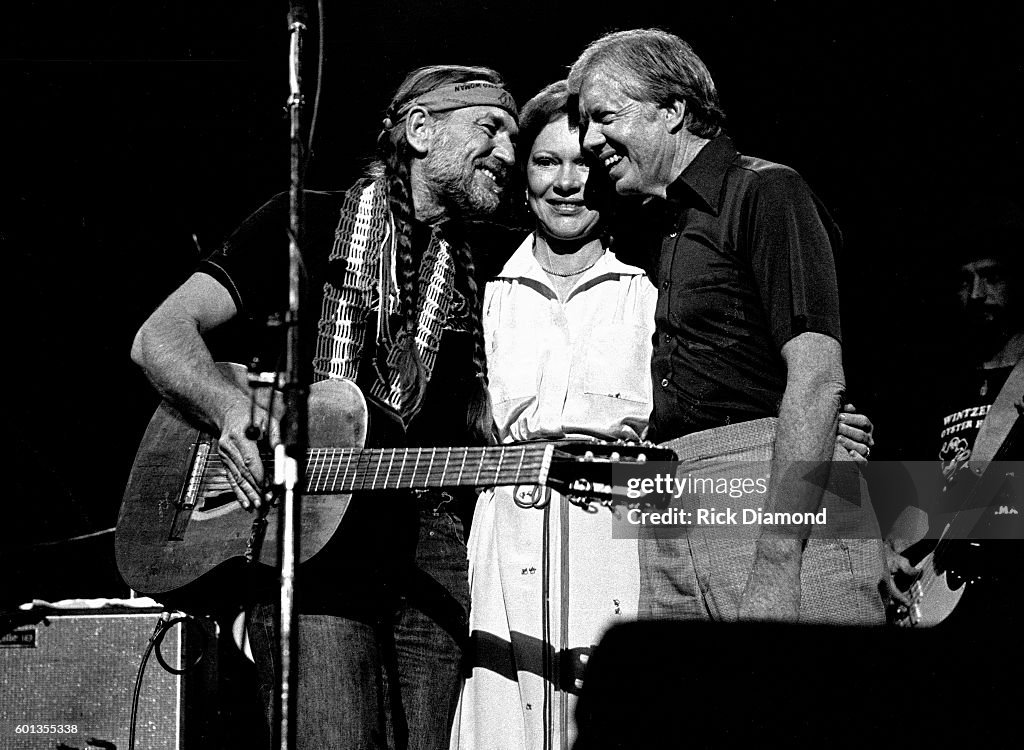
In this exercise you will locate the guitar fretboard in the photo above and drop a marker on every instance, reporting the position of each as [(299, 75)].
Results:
[(343, 470)]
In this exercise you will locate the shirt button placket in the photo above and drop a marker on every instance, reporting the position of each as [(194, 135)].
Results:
[(669, 248)]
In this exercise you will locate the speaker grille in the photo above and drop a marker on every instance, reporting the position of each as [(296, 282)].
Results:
[(81, 671)]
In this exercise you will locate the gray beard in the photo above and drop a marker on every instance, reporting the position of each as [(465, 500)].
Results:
[(461, 195), (455, 189)]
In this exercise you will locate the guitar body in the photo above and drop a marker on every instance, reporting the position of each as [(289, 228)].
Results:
[(933, 598), (162, 545)]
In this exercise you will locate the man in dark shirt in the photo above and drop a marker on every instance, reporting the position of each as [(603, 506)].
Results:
[(747, 331), (989, 291), (979, 351), (392, 306)]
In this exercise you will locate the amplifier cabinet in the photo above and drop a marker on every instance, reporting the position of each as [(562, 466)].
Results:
[(70, 678)]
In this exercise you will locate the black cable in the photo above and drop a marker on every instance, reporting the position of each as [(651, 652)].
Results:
[(56, 542), (202, 648), (321, 54), (163, 624), (164, 617)]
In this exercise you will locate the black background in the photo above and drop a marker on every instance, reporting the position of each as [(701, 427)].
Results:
[(132, 126)]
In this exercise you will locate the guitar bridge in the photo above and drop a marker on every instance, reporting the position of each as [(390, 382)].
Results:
[(191, 491)]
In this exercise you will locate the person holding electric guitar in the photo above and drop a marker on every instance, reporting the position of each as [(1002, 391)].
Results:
[(978, 425)]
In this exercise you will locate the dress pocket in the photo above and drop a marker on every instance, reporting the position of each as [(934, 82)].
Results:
[(618, 362)]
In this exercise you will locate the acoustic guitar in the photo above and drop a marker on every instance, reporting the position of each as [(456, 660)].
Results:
[(180, 521)]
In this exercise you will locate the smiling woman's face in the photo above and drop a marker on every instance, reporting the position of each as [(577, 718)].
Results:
[(556, 175)]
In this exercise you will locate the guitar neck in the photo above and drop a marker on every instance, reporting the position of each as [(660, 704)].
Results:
[(343, 470)]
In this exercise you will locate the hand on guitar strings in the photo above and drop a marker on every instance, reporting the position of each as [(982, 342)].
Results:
[(898, 566), (243, 464)]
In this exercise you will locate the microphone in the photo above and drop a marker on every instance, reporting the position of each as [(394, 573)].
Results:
[(297, 13)]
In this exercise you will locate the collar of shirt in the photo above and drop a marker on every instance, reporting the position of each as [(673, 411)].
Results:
[(523, 265), (704, 176)]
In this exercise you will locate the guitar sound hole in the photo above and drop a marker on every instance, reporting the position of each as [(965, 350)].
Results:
[(214, 502)]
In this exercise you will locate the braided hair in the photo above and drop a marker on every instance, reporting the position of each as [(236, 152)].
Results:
[(394, 157)]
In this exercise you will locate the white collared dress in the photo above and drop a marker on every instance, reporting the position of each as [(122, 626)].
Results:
[(546, 577)]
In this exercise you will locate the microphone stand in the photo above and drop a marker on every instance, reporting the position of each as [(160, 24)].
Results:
[(289, 456)]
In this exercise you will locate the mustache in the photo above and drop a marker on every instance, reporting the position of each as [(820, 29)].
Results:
[(499, 169), (981, 314), (978, 307)]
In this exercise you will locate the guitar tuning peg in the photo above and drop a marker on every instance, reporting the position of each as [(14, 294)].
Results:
[(588, 456), (615, 456)]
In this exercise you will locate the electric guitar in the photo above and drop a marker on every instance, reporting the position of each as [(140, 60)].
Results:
[(940, 586), (942, 583), (180, 521)]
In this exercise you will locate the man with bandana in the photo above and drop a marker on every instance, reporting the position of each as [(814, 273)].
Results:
[(393, 306)]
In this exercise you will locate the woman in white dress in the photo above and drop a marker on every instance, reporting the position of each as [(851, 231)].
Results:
[(568, 333)]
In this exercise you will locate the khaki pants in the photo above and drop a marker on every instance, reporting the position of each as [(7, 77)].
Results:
[(699, 571)]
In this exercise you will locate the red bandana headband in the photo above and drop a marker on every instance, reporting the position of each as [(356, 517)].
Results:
[(456, 96)]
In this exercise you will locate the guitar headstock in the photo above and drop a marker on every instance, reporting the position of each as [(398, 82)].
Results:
[(608, 472)]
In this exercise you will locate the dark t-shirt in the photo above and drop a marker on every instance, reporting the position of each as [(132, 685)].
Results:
[(368, 561), (966, 401), (743, 261), (984, 543), (253, 266)]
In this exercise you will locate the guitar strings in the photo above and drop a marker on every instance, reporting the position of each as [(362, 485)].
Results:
[(417, 466)]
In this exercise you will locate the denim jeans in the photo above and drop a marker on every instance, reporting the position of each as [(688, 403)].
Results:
[(389, 681)]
